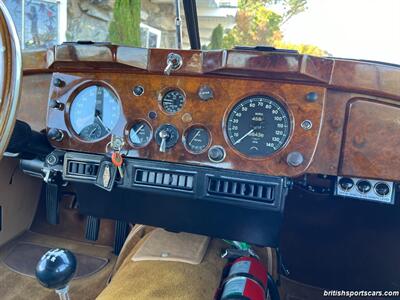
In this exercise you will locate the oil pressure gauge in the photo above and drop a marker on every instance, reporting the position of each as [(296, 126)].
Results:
[(196, 139), (140, 133)]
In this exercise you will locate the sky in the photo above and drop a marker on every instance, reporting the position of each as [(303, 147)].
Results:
[(361, 29)]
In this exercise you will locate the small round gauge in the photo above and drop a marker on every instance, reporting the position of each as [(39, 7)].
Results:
[(172, 101), (94, 112), (92, 132), (166, 136), (258, 126), (140, 133), (196, 139)]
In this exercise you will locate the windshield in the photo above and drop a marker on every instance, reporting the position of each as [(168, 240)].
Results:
[(342, 28)]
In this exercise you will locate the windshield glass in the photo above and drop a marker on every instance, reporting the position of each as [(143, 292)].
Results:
[(342, 28)]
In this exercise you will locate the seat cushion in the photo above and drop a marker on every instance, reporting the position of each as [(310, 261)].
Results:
[(166, 279)]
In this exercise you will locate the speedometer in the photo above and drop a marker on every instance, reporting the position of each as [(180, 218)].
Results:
[(258, 126)]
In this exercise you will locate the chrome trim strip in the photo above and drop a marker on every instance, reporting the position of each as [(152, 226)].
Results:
[(16, 77)]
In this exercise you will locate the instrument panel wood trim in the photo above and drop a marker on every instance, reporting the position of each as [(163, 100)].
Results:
[(373, 78), (227, 92), (371, 140)]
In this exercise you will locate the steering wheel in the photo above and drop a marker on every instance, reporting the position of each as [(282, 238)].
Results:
[(10, 76)]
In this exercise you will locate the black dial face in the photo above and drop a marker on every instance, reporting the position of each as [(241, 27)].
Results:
[(258, 126), (172, 101), (196, 139), (94, 112), (140, 133), (169, 133)]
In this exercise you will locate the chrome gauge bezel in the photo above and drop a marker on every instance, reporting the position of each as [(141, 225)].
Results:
[(72, 97)]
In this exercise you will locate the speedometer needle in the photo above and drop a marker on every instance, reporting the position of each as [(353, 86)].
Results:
[(239, 140)]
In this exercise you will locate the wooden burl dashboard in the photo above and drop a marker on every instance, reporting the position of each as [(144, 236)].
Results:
[(331, 116)]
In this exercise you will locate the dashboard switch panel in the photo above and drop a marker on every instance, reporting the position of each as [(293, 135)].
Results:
[(365, 189)]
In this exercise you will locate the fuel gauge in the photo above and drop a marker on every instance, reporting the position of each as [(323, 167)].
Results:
[(140, 133), (196, 139)]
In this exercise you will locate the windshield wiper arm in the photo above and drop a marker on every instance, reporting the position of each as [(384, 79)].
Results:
[(192, 23)]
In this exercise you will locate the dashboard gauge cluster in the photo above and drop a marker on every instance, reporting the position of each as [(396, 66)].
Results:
[(258, 126), (94, 112), (198, 119), (172, 101)]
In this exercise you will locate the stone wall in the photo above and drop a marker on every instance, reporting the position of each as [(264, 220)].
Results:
[(89, 20)]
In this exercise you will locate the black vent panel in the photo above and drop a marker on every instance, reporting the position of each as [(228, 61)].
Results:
[(241, 189), (82, 169), (164, 179)]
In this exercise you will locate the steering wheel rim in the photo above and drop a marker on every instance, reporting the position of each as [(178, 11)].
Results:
[(10, 76)]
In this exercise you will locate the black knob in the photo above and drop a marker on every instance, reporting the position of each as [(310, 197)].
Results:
[(56, 268), (59, 82), (382, 189), (138, 90), (55, 134), (346, 183), (216, 154), (363, 186), (312, 97), (56, 105)]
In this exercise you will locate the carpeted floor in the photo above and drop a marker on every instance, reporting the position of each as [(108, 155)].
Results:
[(14, 286), (72, 224)]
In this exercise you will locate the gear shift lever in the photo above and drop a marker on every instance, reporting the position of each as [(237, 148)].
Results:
[(55, 269)]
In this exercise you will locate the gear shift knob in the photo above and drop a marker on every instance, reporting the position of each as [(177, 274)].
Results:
[(55, 270)]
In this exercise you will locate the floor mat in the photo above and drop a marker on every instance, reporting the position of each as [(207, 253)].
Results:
[(31, 253), (14, 286)]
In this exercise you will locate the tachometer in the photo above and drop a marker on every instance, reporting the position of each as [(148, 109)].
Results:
[(258, 126), (94, 112), (172, 101)]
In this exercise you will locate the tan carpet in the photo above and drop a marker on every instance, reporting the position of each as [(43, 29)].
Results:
[(14, 286)]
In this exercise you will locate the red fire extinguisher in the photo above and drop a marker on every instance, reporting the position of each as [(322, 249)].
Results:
[(247, 280)]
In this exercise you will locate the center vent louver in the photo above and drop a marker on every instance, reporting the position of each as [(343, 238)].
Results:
[(164, 179), (233, 188), (82, 169)]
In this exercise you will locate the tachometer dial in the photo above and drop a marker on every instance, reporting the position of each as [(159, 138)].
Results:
[(94, 112), (196, 139), (140, 133), (172, 101), (258, 126)]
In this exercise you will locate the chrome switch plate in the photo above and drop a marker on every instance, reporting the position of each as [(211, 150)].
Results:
[(357, 191)]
